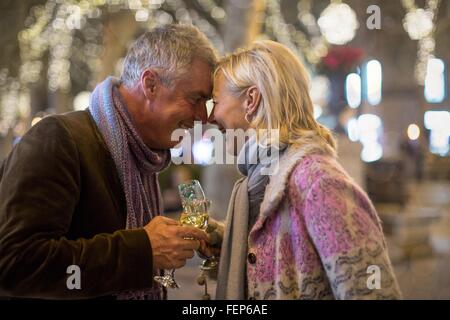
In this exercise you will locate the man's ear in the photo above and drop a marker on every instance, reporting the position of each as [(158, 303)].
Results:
[(149, 83), (252, 100)]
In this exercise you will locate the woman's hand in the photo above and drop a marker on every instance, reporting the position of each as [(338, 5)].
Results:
[(211, 247), (207, 251)]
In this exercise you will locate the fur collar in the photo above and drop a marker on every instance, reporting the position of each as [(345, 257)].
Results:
[(276, 188)]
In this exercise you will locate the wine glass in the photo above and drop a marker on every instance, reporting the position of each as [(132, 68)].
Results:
[(195, 212), (167, 280)]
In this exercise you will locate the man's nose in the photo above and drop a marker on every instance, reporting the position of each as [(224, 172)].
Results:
[(201, 114)]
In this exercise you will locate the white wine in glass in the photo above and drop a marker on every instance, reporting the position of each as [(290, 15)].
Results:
[(195, 212)]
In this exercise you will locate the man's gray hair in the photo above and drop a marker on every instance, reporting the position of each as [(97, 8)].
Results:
[(170, 49)]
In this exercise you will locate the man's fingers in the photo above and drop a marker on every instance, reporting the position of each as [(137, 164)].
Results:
[(168, 220), (188, 254), (179, 263), (188, 244), (196, 245), (184, 254), (192, 232)]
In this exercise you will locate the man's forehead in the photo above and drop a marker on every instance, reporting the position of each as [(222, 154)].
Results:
[(202, 87), (198, 79)]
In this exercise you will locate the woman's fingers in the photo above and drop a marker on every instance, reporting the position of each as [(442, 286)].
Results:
[(208, 250), (192, 232)]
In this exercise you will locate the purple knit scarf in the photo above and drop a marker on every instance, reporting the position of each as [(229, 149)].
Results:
[(137, 165)]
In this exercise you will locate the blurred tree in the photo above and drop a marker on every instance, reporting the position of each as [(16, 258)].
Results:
[(14, 14)]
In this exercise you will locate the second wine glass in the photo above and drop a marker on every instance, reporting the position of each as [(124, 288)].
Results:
[(196, 212)]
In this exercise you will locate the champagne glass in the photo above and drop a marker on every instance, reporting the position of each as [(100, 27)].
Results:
[(167, 280), (195, 212)]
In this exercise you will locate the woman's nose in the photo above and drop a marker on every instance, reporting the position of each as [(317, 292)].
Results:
[(211, 118)]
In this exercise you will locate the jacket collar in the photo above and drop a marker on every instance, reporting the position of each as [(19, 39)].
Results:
[(277, 186)]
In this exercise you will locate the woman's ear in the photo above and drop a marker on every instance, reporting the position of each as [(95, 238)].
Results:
[(149, 83), (252, 100)]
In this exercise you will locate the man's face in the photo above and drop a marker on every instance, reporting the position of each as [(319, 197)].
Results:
[(181, 104)]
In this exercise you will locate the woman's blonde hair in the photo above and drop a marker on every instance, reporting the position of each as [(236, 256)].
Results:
[(284, 86)]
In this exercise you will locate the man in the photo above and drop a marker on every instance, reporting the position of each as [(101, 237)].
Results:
[(80, 190)]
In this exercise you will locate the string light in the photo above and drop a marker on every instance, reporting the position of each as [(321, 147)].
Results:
[(338, 23), (419, 24), (318, 44), (413, 131), (279, 28), (310, 46), (434, 90), (192, 16), (9, 105), (298, 41), (54, 28), (215, 11)]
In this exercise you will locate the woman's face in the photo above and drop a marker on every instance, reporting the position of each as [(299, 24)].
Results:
[(229, 111)]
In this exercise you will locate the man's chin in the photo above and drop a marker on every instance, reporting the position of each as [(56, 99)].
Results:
[(164, 145)]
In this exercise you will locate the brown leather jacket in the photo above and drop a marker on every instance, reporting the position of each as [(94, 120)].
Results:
[(62, 204)]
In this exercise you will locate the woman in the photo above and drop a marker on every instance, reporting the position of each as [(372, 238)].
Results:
[(306, 231)]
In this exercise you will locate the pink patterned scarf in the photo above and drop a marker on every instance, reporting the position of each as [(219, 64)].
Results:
[(137, 166)]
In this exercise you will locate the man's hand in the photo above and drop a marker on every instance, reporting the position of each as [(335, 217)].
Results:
[(169, 246)]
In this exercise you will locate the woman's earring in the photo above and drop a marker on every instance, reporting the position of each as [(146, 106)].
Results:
[(246, 118)]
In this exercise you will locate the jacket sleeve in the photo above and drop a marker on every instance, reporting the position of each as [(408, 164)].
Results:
[(39, 191), (347, 235)]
